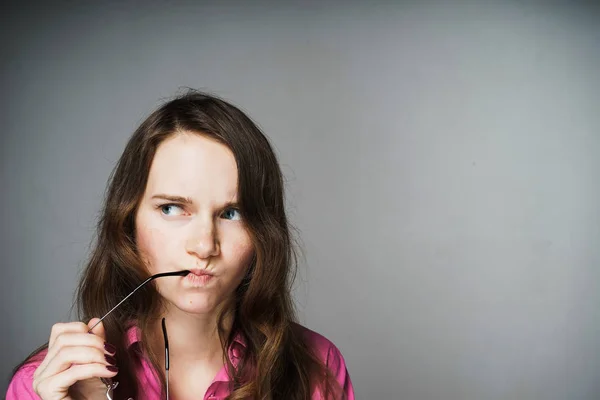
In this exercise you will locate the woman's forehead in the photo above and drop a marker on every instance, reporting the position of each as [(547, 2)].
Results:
[(195, 165)]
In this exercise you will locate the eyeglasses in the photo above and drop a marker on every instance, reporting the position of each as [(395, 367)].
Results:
[(110, 385)]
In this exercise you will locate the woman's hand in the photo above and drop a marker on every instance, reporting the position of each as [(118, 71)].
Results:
[(74, 363)]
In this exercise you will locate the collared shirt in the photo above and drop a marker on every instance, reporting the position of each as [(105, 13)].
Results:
[(21, 386)]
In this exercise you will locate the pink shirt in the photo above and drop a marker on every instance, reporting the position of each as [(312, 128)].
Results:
[(20, 387)]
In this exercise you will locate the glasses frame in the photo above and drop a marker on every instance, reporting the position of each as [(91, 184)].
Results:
[(112, 385)]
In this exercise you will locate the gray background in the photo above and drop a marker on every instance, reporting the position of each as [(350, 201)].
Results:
[(442, 165)]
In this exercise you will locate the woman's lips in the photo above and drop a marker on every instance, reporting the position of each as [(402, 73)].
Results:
[(199, 277), (200, 272)]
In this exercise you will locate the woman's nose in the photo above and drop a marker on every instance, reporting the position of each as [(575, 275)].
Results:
[(204, 243)]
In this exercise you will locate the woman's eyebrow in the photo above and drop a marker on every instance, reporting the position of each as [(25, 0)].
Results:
[(175, 199), (232, 204)]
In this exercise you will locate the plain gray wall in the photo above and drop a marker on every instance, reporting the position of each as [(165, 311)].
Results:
[(442, 163)]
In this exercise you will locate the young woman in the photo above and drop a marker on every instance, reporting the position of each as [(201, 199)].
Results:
[(199, 189)]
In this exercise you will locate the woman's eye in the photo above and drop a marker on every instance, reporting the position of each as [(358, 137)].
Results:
[(171, 210), (232, 213)]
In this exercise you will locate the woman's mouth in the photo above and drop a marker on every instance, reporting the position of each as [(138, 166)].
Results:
[(199, 277)]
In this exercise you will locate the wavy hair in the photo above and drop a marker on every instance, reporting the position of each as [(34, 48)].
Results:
[(277, 363)]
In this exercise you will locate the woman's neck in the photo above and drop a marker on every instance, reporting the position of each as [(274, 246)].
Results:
[(192, 338)]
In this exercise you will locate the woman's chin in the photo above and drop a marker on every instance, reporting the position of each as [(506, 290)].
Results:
[(195, 305)]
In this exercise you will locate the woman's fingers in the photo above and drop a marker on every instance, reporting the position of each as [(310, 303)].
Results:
[(57, 330), (64, 327), (98, 327), (70, 335), (79, 340), (74, 354), (59, 383), (77, 355)]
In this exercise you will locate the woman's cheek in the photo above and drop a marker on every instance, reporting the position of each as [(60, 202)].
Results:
[(150, 242), (243, 251)]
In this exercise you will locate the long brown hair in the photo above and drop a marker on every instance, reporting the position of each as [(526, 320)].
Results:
[(277, 363)]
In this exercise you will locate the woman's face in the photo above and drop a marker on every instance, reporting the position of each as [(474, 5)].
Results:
[(187, 219)]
